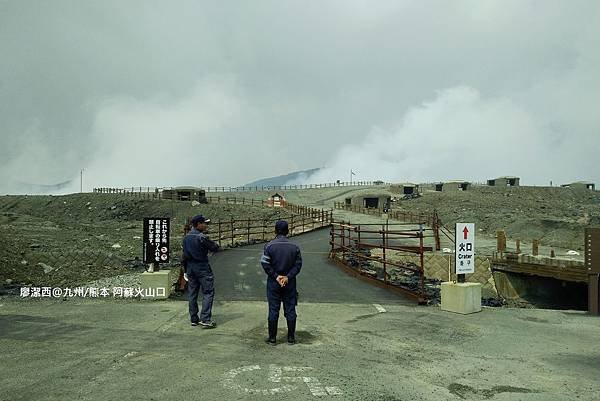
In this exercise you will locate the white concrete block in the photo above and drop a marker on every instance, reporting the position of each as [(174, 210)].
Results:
[(461, 298)]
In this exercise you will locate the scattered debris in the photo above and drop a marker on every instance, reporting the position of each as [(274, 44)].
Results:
[(47, 268), (116, 246), (493, 302)]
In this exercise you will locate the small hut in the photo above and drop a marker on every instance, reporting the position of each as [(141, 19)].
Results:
[(581, 185), (452, 186), (276, 200), (370, 201), (507, 181), (407, 188), (185, 194)]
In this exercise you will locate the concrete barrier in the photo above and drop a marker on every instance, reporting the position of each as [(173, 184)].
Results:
[(464, 298)]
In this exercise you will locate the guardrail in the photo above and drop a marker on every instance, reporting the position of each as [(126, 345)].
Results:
[(430, 219), (366, 251), (400, 215), (559, 269), (236, 232), (148, 191)]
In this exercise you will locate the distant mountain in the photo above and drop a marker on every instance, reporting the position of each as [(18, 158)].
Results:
[(281, 179)]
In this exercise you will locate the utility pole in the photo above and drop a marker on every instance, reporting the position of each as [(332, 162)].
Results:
[(81, 180)]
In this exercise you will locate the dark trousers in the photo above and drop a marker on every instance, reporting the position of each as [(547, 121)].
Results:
[(277, 294), (201, 279)]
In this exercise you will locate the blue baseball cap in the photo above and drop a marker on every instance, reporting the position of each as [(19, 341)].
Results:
[(281, 227), (199, 219)]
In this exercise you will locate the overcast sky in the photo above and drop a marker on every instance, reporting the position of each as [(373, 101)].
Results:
[(221, 93)]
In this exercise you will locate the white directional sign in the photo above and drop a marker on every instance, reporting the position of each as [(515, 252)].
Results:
[(465, 248)]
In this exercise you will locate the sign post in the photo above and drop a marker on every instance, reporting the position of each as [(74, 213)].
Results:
[(464, 256), (156, 241), (459, 296)]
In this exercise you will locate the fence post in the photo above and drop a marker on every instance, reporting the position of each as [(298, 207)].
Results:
[(435, 224), (219, 232), (332, 235), (501, 241), (232, 231), (422, 267), (343, 242), (350, 243), (248, 230), (303, 220), (383, 238)]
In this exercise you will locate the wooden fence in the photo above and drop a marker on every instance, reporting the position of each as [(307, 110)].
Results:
[(156, 192), (430, 219), (302, 219)]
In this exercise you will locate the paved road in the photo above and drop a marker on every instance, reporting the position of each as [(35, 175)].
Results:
[(239, 276)]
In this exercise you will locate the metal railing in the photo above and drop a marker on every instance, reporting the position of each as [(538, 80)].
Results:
[(400, 215), (430, 219), (374, 253), (148, 192), (237, 232)]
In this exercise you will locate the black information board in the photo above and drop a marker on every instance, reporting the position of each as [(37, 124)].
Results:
[(156, 239)]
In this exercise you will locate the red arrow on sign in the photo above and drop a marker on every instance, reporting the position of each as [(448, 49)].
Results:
[(466, 232)]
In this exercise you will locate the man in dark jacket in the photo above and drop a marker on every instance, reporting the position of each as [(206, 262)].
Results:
[(198, 273), (281, 260)]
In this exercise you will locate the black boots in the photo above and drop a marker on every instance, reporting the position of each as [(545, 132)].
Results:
[(272, 340), (291, 324), (291, 337)]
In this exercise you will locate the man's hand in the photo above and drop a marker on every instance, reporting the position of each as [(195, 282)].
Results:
[(282, 280)]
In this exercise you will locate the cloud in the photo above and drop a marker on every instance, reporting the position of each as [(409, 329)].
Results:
[(456, 136), (464, 135), (272, 87), (164, 141)]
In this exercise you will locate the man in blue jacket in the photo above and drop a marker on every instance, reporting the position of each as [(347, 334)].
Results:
[(197, 271), (281, 260)]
